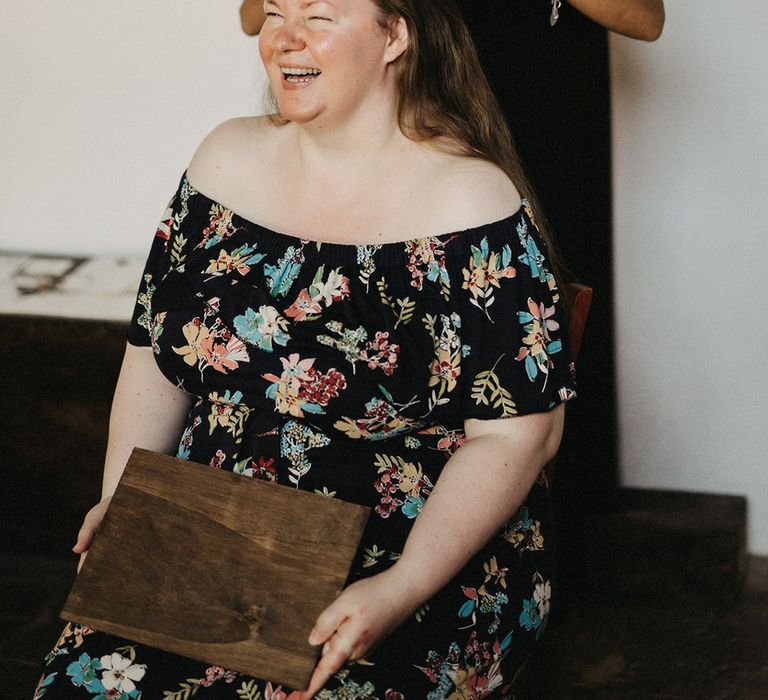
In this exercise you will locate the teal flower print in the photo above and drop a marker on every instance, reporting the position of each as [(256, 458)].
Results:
[(426, 259), (366, 263), (239, 260), (296, 439), (83, 673), (529, 617), (538, 322), (412, 507), (282, 276), (485, 269), (402, 485), (220, 226), (532, 257), (349, 689), (262, 328), (44, 682)]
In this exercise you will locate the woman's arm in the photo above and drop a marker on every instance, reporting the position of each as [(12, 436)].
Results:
[(480, 488), (147, 411), (252, 16), (638, 19)]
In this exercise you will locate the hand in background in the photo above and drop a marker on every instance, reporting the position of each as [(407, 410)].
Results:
[(251, 16)]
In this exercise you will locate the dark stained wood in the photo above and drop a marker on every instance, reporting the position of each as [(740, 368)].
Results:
[(54, 412), (217, 567), (671, 544)]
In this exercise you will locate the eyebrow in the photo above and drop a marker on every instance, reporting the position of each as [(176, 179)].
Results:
[(304, 5)]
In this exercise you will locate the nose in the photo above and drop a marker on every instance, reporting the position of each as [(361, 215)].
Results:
[(290, 36)]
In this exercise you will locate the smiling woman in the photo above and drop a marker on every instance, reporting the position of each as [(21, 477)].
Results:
[(350, 297), (326, 60)]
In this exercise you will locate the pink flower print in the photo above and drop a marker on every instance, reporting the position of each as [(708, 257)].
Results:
[(224, 358), (294, 367), (271, 693), (217, 460), (164, 227), (381, 354), (538, 344), (393, 695), (303, 307), (540, 325), (451, 442)]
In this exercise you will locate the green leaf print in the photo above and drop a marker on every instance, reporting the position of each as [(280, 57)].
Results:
[(185, 691), (177, 250), (402, 308), (249, 691), (487, 390)]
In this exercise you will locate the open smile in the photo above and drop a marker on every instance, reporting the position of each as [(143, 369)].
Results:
[(299, 75)]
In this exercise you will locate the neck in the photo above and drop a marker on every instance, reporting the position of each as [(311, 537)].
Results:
[(371, 135)]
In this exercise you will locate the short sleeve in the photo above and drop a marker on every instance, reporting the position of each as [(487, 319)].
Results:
[(514, 331), (165, 253)]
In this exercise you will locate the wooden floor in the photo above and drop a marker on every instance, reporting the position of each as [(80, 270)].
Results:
[(659, 646)]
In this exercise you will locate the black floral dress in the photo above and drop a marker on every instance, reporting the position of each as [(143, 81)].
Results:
[(348, 370)]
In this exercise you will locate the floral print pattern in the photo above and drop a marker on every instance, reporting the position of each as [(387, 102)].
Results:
[(486, 269), (348, 371)]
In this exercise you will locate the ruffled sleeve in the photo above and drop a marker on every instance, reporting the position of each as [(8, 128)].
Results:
[(167, 252), (515, 346)]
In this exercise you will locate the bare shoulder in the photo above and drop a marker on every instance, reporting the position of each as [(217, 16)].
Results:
[(229, 155), (474, 191)]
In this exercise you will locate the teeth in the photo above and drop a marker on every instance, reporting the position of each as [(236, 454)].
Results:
[(301, 71)]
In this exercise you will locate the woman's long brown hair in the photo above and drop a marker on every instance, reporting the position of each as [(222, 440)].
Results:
[(445, 97)]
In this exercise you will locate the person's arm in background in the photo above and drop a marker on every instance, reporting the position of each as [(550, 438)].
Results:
[(252, 16), (147, 411), (637, 19)]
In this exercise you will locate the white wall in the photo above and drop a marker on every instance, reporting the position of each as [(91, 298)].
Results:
[(101, 106), (691, 243)]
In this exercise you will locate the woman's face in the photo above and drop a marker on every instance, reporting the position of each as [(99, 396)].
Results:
[(326, 58)]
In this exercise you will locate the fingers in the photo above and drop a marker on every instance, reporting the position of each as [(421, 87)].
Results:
[(82, 561), (88, 529), (327, 623), (336, 652), (84, 538)]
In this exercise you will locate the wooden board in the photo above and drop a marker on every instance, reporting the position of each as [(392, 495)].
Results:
[(217, 567)]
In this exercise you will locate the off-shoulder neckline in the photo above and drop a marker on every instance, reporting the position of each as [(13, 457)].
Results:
[(290, 239)]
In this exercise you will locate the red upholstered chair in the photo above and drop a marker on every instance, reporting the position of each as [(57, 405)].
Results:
[(579, 298)]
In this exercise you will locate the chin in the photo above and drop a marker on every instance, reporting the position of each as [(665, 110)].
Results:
[(299, 114)]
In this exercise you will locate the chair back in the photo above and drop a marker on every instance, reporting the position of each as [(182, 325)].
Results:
[(579, 299)]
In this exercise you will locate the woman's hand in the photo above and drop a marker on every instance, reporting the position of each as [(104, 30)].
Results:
[(91, 523), (364, 613)]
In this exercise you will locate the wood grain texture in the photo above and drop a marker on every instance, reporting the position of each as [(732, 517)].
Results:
[(216, 567)]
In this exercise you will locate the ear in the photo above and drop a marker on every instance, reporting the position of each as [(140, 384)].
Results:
[(397, 39)]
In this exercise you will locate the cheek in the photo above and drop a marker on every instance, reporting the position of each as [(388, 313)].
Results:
[(265, 49)]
